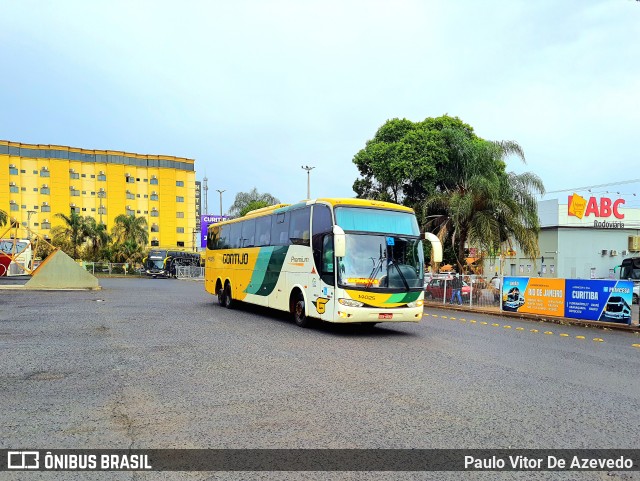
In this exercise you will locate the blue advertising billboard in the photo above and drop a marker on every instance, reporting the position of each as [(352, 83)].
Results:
[(599, 300), (205, 221)]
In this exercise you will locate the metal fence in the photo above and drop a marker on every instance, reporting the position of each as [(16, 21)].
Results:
[(477, 291), (111, 268), (189, 272)]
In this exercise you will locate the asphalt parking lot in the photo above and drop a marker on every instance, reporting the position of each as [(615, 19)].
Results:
[(158, 364)]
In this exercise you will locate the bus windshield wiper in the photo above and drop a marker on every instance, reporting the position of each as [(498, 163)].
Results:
[(376, 268)]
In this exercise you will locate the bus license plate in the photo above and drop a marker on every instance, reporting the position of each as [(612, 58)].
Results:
[(385, 316)]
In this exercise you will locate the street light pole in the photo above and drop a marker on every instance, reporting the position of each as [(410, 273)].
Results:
[(221, 191), (308, 169)]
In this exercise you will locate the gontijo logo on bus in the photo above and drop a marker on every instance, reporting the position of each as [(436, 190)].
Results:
[(579, 207)]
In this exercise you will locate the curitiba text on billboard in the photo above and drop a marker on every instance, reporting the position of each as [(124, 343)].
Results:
[(593, 300)]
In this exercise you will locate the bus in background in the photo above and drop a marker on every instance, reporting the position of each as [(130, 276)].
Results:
[(337, 260), (15, 256), (163, 262)]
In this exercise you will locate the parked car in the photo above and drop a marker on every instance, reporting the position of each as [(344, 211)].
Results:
[(435, 290)]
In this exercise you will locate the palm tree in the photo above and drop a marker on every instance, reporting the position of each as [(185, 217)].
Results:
[(72, 231), (3, 217), (130, 228), (480, 204), (96, 235)]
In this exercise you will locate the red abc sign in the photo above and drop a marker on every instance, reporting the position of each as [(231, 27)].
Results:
[(605, 208)]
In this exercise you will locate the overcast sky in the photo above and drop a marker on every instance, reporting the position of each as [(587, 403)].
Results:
[(253, 90)]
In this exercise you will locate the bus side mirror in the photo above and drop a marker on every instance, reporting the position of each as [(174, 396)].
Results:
[(339, 241), (436, 246)]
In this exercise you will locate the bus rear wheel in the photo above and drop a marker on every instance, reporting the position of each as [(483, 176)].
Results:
[(228, 299), (298, 311)]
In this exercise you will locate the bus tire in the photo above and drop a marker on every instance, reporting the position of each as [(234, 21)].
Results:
[(221, 300), (298, 310), (228, 298)]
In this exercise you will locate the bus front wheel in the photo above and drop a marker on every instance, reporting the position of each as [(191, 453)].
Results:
[(297, 309)]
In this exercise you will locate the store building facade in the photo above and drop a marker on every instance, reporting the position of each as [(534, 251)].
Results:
[(581, 237)]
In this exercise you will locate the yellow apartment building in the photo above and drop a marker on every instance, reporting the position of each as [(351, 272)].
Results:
[(39, 181)]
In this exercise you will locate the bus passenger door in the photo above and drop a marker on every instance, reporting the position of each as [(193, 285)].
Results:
[(322, 281)]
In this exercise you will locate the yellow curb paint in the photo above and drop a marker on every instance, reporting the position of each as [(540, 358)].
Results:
[(519, 328), (484, 323), (580, 337), (635, 345), (534, 330), (564, 335), (452, 318), (472, 321), (495, 325), (462, 319), (507, 327), (548, 333), (597, 339)]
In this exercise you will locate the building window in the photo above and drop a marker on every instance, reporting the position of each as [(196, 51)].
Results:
[(45, 173), (13, 207), (35, 172), (130, 180), (179, 183), (45, 190), (75, 209), (146, 196), (74, 175), (46, 225), (180, 215), (102, 177), (179, 199), (154, 213), (45, 208), (74, 192), (102, 210), (14, 189), (180, 230), (155, 243), (155, 228), (83, 175), (129, 211), (130, 195), (35, 189), (93, 176), (154, 197), (153, 181), (180, 243), (13, 171)]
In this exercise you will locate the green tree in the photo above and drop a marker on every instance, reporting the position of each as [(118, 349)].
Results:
[(97, 238), (253, 205), (243, 199), (130, 228), (3, 217), (71, 234), (456, 182), (477, 203)]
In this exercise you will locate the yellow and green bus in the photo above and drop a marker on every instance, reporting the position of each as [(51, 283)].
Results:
[(336, 260)]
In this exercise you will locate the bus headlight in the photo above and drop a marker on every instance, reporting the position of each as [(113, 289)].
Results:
[(350, 303), (418, 303)]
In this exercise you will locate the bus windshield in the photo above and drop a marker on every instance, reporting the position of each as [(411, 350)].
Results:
[(376, 262), (377, 220)]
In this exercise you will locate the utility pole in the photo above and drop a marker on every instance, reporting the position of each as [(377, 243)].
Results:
[(221, 191), (308, 169)]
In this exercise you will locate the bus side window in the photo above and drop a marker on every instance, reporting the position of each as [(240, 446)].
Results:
[(235, 235), (223, 241), (263, 230), (280, 229), (248, 233), (212, 237), (299, 226)]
